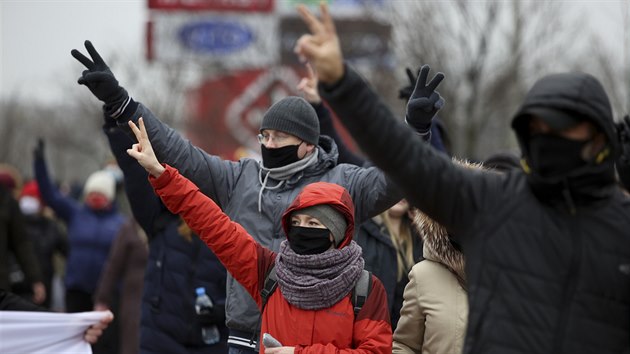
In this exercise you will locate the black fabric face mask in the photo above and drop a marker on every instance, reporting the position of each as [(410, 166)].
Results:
[(309, 240), (278, 157), (553, 156)]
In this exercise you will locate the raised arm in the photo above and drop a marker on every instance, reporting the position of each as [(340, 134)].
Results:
[(308, 86), (449, 194), (147, 207), (241, 255), (213, 175), (63, 206)]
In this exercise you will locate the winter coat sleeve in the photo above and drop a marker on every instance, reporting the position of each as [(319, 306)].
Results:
[(372, 191), (64, 207), (241, 255), (409, 333), (214, 177), (326, 127), (146, 206), (447, 193), (372, 332)]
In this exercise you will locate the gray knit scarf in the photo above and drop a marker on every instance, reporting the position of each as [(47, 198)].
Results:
[(318, 281), (282, 173)]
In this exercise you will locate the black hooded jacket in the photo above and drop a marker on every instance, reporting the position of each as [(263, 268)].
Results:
[(579, 95), (541, 279)]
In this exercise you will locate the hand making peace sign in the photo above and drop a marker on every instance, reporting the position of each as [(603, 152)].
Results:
[(143, 151), (321, 47)]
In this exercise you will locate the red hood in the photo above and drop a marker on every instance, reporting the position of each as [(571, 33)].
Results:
[(323, 193)]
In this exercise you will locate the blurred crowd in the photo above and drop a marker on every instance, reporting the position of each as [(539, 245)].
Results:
[(404, 248)]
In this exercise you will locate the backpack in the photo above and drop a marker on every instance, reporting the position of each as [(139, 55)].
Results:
[(360, 292)]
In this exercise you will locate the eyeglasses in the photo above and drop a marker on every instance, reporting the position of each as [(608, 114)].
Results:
[(279, 139)]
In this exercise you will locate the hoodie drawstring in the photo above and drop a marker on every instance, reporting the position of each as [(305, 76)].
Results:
[(263, 183)]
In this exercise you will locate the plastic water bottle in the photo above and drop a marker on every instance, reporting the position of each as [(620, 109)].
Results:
[(203, 305)]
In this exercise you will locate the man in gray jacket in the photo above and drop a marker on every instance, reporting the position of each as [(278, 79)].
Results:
[(252, 193)]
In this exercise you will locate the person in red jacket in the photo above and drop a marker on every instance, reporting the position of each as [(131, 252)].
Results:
[(317, 267)]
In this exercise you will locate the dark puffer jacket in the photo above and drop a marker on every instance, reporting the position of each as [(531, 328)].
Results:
[(541, 279), (176, 266)]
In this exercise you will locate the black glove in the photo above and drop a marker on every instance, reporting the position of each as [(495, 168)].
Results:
[(425, 102), (405, 92), (100, 80), (623, 162), (38, 152)]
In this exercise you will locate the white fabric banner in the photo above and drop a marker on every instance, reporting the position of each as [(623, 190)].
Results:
[(30, 332)]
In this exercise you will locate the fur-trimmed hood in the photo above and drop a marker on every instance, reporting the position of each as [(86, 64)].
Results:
[(437, 247)]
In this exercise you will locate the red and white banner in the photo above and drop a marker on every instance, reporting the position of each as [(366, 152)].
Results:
[(213, 5)]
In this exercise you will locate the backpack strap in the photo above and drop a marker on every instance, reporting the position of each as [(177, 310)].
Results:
[(361, 291), (269, 286)]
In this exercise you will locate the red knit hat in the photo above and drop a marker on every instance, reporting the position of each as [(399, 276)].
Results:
[(31, 189)]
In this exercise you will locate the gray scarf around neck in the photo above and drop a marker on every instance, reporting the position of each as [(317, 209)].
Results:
[(282, 173), (318, 281)]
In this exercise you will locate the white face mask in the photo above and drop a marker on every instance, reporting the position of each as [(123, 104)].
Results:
[(29, 205)]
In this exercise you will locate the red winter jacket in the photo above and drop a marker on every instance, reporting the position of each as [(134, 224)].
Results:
[(331, 330)]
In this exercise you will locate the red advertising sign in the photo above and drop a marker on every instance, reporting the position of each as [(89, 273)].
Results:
[(227, 112), (214, 5)]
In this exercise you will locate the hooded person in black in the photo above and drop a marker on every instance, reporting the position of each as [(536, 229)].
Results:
[(567, 137), (547, 246)]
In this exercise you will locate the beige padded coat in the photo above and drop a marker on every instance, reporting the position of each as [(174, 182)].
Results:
[(435, 308)]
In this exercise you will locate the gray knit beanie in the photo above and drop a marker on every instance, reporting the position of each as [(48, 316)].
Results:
[(295, 116), (330, 217)]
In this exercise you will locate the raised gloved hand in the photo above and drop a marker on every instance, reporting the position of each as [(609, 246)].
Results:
[(623, 162), (101, 81), (38, 152), (425, 102)]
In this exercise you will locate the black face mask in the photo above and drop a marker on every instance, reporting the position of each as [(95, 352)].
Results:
[(279, 157), (552, 156), (309, 240)]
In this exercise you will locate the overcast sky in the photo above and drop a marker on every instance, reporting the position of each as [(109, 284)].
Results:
[(36, 36)]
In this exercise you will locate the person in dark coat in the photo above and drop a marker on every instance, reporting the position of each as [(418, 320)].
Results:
[(47, 238), (121, 284), (14, 242), (547, 245), (178, 263)]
